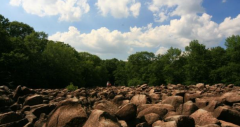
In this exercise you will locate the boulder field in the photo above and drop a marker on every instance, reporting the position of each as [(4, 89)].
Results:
[(170, 105)]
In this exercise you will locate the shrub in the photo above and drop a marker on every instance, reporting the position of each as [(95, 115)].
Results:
[(71, 87)]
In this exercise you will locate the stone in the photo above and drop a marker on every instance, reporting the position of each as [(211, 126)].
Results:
[(67, 114), (203, 117), (160, 123), (189, 108), (9, 117), (151, 118), (175, 101), (227, 124), (153, 109), (226, 114), (181, 120), (33, 100), (99, 118), (106, 106), (127, 112), (139, 99)]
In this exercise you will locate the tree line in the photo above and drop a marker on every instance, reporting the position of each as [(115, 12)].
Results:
[(28, 58)]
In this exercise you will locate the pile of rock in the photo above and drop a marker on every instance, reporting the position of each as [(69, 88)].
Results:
[(197, 105)]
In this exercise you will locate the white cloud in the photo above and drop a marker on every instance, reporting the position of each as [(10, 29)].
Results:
[(177, 34), (118, 8), (230, 26), (165, 8), (135, 9), (224, 1), (68, 10), (161, 50)]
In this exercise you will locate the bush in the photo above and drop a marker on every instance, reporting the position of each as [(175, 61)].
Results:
[(71, 87)]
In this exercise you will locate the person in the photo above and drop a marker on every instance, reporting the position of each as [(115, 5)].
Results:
[(108, 84)]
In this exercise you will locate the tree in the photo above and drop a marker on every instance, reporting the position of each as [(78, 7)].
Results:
[(120, 74), (173, 71), (62, 65), (94, 74), (197, 69), (111, 66), (137, 67)]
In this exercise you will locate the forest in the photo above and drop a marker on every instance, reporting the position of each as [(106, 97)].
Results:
[(29, 59)]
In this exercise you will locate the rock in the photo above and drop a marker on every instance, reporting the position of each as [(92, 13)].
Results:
[(175, 101), (164, 124), (42, 108), (154, 97), (203, 117), (144, 124), (209, 125), (227, 124), (189, 108), (200, 85), (201, 103), (41, 122), (139, 99), (191, 97), (99, 118), (106, 106), (67, 114), (127, 112), (236, 106), (211, 106), (153, 109), (123, 123), (20, 91), (118, 100), (30, 116), (226, 114), (181, 120), (9, 117), (151, 118), (5, 101), (33, 100), (19, 123)]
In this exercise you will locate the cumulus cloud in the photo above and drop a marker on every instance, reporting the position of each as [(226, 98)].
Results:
[(161, 50), (177, 34), (162, 9), (68, 10), (230, 26), (118, 8)]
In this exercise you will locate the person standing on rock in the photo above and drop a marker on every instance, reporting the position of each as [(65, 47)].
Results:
[(109, 84)]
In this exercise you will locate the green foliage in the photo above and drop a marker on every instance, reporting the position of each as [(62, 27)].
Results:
[(71, 87), (28, 58)]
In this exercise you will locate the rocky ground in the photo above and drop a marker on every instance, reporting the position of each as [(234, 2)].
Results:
[(143, 106)]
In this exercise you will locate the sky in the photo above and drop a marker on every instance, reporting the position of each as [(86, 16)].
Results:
[(119, 28)]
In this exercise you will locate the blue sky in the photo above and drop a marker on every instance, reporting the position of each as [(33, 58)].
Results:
[(118, 28)]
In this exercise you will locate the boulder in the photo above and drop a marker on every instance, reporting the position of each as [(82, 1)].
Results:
[(99, 118), (175, 101), (139, 99), (9, 117), (67, 114), (226, 114), (153, 109), (151, 118), (227, 124), (127, 112), (33, 100), (106, 106), (160, 123), (189, 108), (203, 117), (181, 120)]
